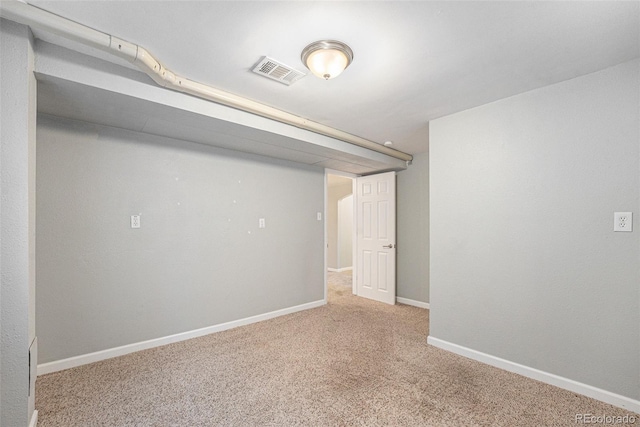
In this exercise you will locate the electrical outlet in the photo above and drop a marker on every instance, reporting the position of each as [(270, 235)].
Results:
[(261, 223), (135, 221), (623, 221)]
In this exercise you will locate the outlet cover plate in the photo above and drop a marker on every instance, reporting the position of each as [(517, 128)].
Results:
[(623, 221)]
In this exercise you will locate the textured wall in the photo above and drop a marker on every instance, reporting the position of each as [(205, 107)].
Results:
[(17, 105), (413, 230), (345, 232), (525, 265), (199, 258), (335, 193)]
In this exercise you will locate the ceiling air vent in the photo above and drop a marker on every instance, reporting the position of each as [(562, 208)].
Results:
[(277, 71)]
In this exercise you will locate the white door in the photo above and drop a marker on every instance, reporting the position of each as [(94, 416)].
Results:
[(376, 237)]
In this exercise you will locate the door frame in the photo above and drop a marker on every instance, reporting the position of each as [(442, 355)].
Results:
[(353, 177)]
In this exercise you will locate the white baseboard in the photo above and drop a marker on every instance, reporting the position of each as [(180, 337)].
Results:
[(72, 362), (536, 374), (34, 419), (339, 270), (412, 302)]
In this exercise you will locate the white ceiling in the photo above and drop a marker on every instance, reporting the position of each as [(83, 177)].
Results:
[(414, 61)]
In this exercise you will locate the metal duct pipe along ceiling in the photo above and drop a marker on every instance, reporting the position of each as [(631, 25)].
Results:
[(32, 16)]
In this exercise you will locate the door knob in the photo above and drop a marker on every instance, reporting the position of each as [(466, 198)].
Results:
[(389, 246)]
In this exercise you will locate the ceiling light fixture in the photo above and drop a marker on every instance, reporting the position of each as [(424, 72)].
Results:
[(327, 58)]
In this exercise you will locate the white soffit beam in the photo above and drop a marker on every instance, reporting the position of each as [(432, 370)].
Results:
[(34, 17), (79, 87)]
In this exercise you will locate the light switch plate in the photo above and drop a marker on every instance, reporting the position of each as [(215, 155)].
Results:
[(319, 216), (623, 221)]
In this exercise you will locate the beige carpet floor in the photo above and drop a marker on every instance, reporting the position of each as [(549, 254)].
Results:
[(352, 362)]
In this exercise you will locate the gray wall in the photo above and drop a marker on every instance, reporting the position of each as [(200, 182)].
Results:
[(199, 258), (17, 167), (345, 232), (335, 192), (413, 230), (525, 265)]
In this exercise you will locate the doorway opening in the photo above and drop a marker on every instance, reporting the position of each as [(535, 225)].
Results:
[(340, 230), (369, 204)]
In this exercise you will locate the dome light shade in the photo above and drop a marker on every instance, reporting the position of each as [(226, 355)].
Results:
[(327, 58)]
